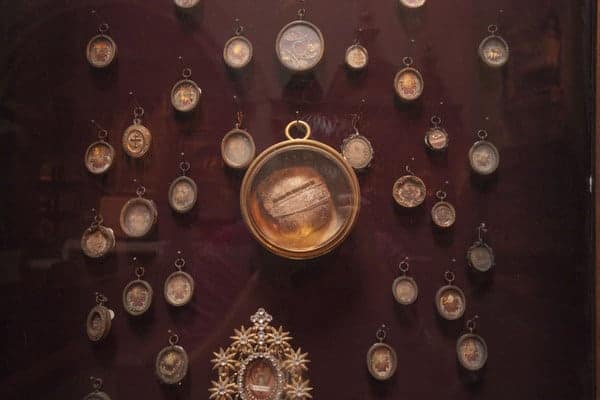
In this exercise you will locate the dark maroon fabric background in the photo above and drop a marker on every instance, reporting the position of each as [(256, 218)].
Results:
[(536, 307)]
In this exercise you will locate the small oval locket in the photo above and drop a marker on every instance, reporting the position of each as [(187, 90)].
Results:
[(237, 52), (357, 57), (409, 191), (436, 137), (138, 215), (97, 240), (480, 255), (405, 288), (300, 45), (408, 82), (101, 50), (381, 358), (357, 150), (493, 50), (183, 191), (137, 138), (179, 286), (237, 146), (99, 156), (484, 157), (450, 300), (97, 393), (412, 3), (443, 213), (172, 362), (471, 349), (185, 94), (137, 295), (99, 319)]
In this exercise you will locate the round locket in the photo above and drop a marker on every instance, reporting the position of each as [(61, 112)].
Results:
[(172, 362), (480, 255), (137, 138), (484, 157), (357, 57), (186, 4), (237, 52), (412, 3), (99, 319), (450, 300), (138, 215), (443, 213), (409, 191), (357, 150), (179, 286), (99, 156), (381, 358), (471, 349), (185, 94), (300, 45), (404, 288), (436, 137), (408, 82), (237, 148), (183, 191), (101, 50), (97, 393), (137, 295), (97, 240), (493, 50)]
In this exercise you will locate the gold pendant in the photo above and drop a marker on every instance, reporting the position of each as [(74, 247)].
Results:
[(300, 45), (299, 198), (97, 240), (138, 215), (436, 137), (493, 50), (412, 3), (409, 191), (237, 147), (484, 157), (237, 52), (357, 57), (450, 300), (443, 213), (186, 4), (471, 349), (172, 362), (183, 191), (179, 286), (97, 393), (99, 156), (185, 94), (101, 50), (260, 364), (408, 82), (137, 295), (381, 358), (480, 256), (99, 319), (356, 149), (137, 138), (405, 288)]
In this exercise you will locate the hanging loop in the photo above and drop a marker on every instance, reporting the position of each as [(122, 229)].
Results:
[(404, 266), (179, 263), (408, 61), (493, 29), (186, 73), (472, 323), (301, 13), (103, 28), (300, 124), (102, 134), (98, 220), (482, 134), (140, 191), (139, 272), (436, 121), (355, 120), (481, 229), (408, 170), (449, 276), (173, 338), (441, 195), (184, 166), (239, 29), (381, 333), (100, 298), (138, 112), (239, 118), (96, 383)]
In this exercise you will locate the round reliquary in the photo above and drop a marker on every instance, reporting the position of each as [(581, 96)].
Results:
[(99, 156), (443, 213), (299, 198), (493, 50), (237, 148), (99, 320), (357, 57), (300, 45), (183, 191), (436, 137), (138, 215), (471, 349), (179, 286), (97, 240), (404, 288), (185, 94), (450, 300), (101, 50), (409, 191), (172, 362), (237, 52), (412, 3), (381, 358), (484, 157), (408, 82), (357, 150), (137, 295), (480, 257)]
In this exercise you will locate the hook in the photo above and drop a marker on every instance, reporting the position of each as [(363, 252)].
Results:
[(239, 29), (481, 229)]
